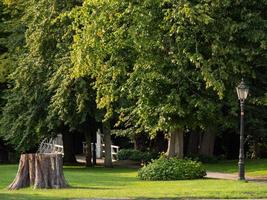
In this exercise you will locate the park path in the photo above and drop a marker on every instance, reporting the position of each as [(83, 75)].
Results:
[(227, 176)]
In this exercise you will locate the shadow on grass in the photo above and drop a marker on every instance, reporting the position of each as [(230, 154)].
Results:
[(99, 169), (136, 198), (99, 176), (161, 198), (41, 197), (90, 188), (230, 166), (143, 198), (12, 196)]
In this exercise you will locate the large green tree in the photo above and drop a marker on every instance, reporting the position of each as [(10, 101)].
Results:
[(123, 51), (170, 65), (46, 50), (44, 98)]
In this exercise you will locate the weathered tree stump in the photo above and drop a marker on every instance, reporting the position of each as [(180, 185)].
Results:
[(39, 171)]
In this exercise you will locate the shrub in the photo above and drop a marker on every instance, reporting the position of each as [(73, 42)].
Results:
[(135, 155), (124, 154), (172, 169)]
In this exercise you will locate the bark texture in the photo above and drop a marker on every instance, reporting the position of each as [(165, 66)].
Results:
[(207, 142), (94, 154), (107, 141), (39, 171), (141, 142), (89, 129), (193, 143), (88, 155), (68, 145), (176, 144), (159, 144), (3, 153)]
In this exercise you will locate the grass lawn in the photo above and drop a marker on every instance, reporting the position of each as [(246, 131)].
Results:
[(121, 182)]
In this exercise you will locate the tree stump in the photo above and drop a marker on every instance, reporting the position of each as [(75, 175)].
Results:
[(40, 171)]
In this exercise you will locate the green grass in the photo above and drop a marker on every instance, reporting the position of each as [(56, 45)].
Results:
[(119, 182), (254, 168)]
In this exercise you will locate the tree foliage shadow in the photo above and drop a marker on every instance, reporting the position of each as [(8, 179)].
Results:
[(90, 188), (16, 196)]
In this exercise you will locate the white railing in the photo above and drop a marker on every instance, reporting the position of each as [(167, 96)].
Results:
[(58, 149), (100, 151), (50, 146), (55, 145)]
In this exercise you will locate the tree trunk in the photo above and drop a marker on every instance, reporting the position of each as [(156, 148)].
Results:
[(68, 145), (176, 144), (141, 142), (193, 143), (94, 130), (94, 153), (88, 156), (39, 171), (159, 144), (107, 141), (3, 153), (255, 149), (207, 142), (89, 130)]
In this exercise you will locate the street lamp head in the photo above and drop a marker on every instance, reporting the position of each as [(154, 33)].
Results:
[(242, 91)]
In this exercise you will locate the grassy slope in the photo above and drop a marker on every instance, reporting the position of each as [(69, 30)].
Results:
[(100, 182)]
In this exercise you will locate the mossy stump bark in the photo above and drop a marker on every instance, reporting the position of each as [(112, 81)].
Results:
[(39, 171)]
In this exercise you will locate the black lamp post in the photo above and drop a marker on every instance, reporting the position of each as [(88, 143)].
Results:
[(242, 93)]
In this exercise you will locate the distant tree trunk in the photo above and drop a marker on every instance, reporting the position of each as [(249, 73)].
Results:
[(141, 142), (159, 143), (255, 149), (107, 141), (193, 143), (68, 145), (89, 129), (88, 156), (176, 144), (207, 142), (3, 153), (94, 153), (39, 171), (94, 140)]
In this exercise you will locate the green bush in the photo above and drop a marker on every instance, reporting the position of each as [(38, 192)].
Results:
[(172, 169), (135, 155), (124, 154)]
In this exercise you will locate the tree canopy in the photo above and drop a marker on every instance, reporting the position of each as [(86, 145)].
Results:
[(148, 65)]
